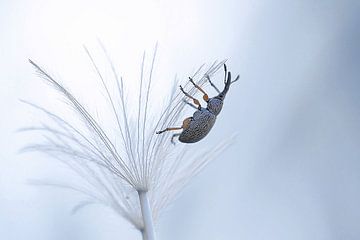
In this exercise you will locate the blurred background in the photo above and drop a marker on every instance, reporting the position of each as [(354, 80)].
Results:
[(294, 171)]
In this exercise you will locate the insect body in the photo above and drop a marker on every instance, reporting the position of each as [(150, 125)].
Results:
[(199, 125)]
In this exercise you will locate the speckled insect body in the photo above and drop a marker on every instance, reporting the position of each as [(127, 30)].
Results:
[(199, 125)]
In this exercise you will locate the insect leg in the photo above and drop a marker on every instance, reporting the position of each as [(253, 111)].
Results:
[(168, 129), (185, 125), (205, 97), (213, 85), (190, 104), (189, 96), (174, 136)]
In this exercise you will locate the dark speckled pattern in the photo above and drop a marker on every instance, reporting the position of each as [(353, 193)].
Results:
[(201, 123)]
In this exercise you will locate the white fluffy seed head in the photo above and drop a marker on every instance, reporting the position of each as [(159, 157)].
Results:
[(115, 167)]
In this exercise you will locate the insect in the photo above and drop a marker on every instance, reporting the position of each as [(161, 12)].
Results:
[(199, 125)]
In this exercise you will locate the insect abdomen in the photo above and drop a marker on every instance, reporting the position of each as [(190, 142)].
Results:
[(199, 127)]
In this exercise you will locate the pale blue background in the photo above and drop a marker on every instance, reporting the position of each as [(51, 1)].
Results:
[(294, 172)]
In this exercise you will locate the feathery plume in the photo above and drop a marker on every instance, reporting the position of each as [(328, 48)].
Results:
[(131, 170)]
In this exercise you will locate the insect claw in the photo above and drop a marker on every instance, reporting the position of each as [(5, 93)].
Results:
[(159, 132)]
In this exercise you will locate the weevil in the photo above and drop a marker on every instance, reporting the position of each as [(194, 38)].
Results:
[(199, 125)]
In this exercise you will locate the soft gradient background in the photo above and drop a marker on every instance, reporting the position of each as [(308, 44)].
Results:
[(294, 172)]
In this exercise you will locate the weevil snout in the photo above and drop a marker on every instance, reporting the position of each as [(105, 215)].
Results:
[(215, 104), (227, 82)]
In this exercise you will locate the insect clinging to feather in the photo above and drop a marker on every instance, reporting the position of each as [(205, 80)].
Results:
[(199, 125)]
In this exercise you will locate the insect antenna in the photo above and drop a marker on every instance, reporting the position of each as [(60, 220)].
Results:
[(236, 79), (225, 70)]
